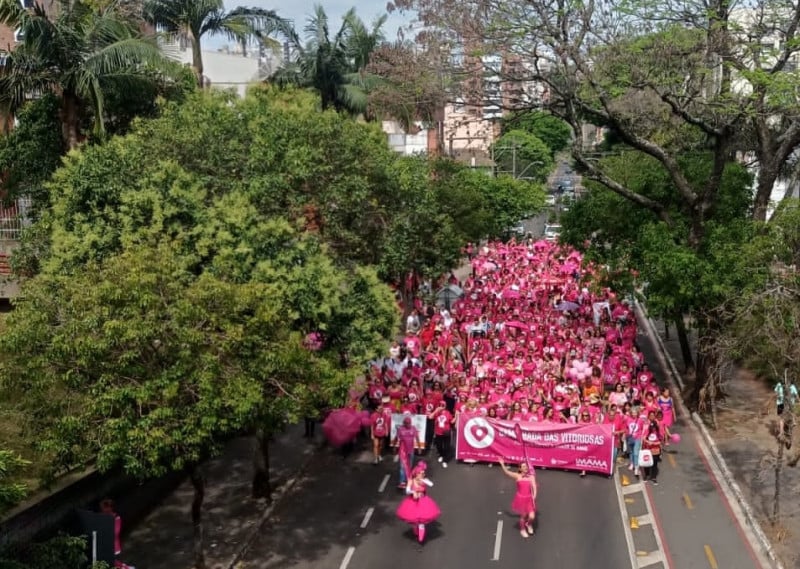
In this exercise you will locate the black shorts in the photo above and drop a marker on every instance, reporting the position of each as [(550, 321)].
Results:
[(780, 408)]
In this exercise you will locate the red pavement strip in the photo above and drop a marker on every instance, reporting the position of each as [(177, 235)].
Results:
[(700, 451), (657, 524)]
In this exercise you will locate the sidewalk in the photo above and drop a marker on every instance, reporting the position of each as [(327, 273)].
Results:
[(699, 522), (163, 540), (745, 440)]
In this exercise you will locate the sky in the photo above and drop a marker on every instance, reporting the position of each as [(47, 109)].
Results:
[(299, 10)]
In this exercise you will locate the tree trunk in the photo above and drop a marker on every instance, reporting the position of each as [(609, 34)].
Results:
[(199, 483), (197, 58), (262, 486), (683, 340), (767, 175), (69, 120)]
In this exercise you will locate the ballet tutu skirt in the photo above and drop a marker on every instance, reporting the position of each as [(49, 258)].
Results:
[(420, 511), (523, 503)]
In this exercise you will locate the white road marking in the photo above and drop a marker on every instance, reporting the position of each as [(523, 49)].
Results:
[(367, 517), (347, 557), (385, 481), (498, 538), (396, 458)]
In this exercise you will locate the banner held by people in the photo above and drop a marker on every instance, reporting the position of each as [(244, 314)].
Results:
[(566, 446)]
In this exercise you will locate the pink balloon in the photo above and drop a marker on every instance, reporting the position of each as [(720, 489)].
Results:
[(675, 438), (581, 376)]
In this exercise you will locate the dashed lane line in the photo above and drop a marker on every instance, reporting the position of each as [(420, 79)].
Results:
[(384, 482), (367, 517), (688, 501), (672, 462), (347, 557), (498, 540), (712, 560)]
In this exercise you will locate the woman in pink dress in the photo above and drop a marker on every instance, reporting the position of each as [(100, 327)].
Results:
[(418, 509), (524, 503), (667, 406)]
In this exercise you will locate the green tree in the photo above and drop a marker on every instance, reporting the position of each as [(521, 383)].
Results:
[(551, 130), (523, 155), (76, 54), (334, 66), (723, 77), (681, 279), (60, 552), (145, 365), (31, 152), (11, 490), (192, 20)]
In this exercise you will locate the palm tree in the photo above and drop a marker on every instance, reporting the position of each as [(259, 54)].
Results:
[(76, 54), (191, 20), (334, 66)]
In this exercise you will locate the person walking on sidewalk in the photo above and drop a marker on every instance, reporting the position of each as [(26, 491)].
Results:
[(524, 503), (407, 441)]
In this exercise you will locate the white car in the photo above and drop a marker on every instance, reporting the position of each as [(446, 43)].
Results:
[(552, 231)]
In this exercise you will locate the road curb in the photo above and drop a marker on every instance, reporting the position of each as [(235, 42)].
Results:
[(277, 497), (728, 484)]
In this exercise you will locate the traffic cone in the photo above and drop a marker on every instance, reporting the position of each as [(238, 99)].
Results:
[(625, 480), (634, 523)]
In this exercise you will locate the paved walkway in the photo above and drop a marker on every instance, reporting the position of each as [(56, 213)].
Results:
[(164, 539), (697, 524)]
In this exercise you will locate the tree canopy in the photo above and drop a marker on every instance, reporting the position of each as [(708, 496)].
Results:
[(553, 131), (78, 53), (334, 64)]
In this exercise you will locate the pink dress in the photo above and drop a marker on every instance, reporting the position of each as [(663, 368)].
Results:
[(666, 408), (523, 503), (422, 510)]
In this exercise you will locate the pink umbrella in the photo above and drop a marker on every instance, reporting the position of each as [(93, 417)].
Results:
[(341, 426)]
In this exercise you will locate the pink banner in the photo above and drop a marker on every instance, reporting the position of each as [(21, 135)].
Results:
[(550, 445)]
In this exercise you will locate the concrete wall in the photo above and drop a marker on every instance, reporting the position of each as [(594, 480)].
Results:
[(49, 512)]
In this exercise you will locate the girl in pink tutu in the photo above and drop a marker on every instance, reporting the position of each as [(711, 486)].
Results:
[(524, 503), (418, 509)]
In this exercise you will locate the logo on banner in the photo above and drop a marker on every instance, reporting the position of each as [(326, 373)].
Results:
[(479, 433), (591, 463)]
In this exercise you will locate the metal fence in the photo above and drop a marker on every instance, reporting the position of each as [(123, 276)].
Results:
[(14, 219)]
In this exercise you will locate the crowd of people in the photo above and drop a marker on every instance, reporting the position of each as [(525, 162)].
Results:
[(531, 338)]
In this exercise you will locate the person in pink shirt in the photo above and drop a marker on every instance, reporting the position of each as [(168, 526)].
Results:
[(442, 423), (407, 439), (379, 429), (634, 433)]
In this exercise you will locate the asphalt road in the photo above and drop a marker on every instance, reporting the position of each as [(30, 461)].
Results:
[(338, 517)]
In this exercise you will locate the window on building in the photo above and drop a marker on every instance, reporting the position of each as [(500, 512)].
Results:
[(28, 3), (19, 36)]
